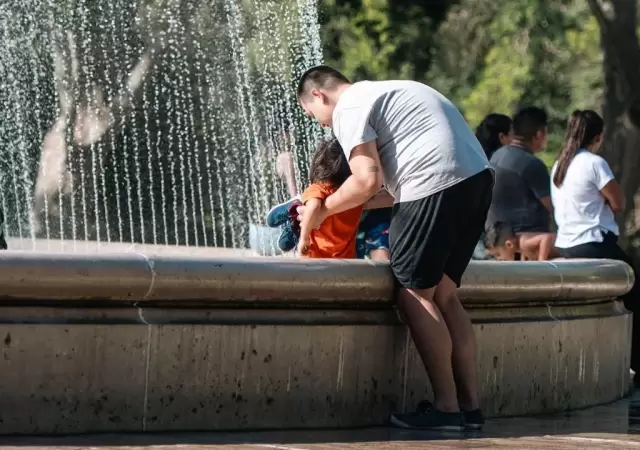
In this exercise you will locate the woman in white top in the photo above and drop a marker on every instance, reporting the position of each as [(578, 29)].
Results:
[(584, 193), (585, 198)]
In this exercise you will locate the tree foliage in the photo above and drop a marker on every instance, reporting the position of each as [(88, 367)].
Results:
[(486, 55), (497, 55)]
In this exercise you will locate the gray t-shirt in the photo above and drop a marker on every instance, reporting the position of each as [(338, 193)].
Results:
[(521, 180), (425, 145)]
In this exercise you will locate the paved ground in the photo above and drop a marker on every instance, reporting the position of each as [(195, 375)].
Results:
[(605, 427)]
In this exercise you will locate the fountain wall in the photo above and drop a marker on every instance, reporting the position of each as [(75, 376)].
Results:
[(138, 144), (144, 341)]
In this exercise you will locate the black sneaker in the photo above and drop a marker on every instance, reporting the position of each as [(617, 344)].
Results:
[(474, 420), (431, 419)]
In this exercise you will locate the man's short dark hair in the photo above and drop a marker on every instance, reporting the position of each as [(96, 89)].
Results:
[(320, 77), (528, 122)]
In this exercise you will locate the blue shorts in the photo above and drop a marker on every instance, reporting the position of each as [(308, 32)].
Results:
[(373, 232)]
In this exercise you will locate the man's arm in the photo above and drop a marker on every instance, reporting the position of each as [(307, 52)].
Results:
[(381, 200), (547, 203), (365, 180), (537, 178)]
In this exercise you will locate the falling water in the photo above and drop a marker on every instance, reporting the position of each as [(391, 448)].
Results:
[(150, 123)]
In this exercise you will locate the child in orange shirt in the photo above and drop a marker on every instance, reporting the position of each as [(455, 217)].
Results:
[(336, 237)]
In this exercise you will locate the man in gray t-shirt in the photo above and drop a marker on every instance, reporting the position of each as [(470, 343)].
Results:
[(413, 140)]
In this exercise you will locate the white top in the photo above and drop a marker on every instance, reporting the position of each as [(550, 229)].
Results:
[(579, 208), (425, 145)]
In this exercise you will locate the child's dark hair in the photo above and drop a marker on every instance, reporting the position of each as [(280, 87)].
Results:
[(489, 131), (497, 234), (582, 129), (329, 164)]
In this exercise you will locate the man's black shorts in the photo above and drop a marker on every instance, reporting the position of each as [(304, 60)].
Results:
[(437, 235)]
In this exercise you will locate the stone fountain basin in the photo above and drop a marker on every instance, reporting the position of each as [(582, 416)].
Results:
[(157, 340)]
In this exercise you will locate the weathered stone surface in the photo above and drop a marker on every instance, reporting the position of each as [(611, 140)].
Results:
[(83, 378), (71, 379)]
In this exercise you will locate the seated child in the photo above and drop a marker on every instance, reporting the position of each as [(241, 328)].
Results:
[(336, 237), (503, 244)]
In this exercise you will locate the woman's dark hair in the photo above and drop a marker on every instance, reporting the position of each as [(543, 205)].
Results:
[(582, 129), (329, 164), (489, 131)]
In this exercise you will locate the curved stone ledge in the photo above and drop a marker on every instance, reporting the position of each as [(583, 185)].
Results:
[(160, 342), (138, 277), (198, 375)]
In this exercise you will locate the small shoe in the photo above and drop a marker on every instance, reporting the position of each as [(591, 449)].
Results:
[(474, 419), (279, 214), (288, 239), (431, 419)]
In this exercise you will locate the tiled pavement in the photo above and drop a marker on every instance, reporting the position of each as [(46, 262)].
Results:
[(604, 427)]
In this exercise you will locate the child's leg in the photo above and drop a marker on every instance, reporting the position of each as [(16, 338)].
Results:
[(376, 242)]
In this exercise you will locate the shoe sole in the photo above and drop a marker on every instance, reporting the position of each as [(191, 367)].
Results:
[(400, 424)]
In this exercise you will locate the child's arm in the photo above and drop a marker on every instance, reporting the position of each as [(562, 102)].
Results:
[(313, 208)]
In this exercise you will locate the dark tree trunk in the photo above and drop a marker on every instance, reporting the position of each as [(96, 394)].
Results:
[(619, 41)]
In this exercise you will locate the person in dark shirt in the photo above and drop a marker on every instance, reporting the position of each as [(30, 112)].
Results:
[(522, 190)]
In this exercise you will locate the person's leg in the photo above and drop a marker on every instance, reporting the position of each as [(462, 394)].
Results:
[(463, 340), (377, 241), (432, 340), (420, 237), (372, 239), (379, 254), (474, 198)]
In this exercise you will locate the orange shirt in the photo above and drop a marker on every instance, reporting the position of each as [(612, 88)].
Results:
[(336, 237)]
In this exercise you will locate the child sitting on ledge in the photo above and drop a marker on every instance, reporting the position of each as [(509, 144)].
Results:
[(336, 237), (504, 244)]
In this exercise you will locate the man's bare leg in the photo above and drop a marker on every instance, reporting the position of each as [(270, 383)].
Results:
[(433, 342), (463, 342)]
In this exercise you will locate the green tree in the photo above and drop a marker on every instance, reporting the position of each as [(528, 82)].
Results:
[(378, 39), (617, 21)]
